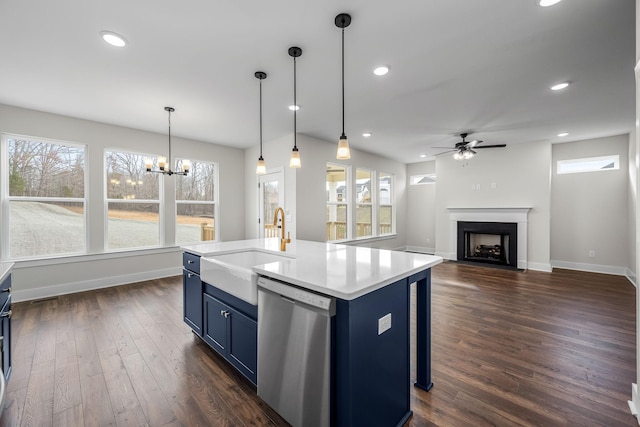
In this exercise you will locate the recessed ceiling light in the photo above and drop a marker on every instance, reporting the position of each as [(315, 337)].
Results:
[(367, 134), (423, 155), (561, 134), (560, 86), (113, 39), (381, 70), (294, 107), (547, 3)]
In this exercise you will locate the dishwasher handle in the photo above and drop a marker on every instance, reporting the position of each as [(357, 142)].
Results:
[(294, 294)]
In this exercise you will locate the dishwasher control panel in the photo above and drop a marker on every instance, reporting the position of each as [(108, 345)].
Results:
[(296, 294)]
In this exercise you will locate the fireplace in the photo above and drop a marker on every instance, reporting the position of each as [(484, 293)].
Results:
[(493, 243)]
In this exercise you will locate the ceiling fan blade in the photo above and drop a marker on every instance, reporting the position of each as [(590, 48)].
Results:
[(445, 152), (473, 143), (492, 146), (445, 148)]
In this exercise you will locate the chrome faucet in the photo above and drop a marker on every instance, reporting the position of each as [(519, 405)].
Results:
[(283, 241)]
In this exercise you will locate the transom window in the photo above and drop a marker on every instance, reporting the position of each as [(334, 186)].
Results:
[(589, 164), (44, 184)]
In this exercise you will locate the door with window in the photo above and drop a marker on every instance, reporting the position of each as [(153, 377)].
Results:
[(271, 196)]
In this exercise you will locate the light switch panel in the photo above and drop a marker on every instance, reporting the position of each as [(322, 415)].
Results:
[(384, 324)]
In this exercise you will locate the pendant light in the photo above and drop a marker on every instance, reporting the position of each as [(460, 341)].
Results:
[(164, 164), (261, 168), (342, 21), (294, 160)]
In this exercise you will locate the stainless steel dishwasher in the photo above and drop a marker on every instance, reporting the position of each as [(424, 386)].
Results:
[(294, 352)]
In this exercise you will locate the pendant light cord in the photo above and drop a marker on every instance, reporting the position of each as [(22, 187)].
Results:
[(169, 159), (295, 104), (261, 118), (343, 81)]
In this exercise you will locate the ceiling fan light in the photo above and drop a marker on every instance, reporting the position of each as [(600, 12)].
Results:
[(467, 154), (457, 155), (344, 153)]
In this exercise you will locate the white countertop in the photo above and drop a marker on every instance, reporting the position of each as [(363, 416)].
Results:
[(5, 269), (341, 271)]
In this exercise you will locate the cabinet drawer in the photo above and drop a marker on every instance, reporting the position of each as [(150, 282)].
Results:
[(191, 262)]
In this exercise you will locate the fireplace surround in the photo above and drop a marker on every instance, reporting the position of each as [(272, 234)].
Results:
[(517, 215)]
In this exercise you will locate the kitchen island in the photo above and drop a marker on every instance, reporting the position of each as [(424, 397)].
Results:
[(370, 331)]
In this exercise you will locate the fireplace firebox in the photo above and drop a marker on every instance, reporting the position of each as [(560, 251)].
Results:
[(488, 242)]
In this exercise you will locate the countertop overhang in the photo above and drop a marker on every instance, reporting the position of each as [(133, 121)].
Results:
[(5, 269), (342, 271)]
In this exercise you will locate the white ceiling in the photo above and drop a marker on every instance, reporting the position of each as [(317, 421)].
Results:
[(456, 65)]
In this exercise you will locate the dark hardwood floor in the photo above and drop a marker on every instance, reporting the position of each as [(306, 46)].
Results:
[(509, 349)]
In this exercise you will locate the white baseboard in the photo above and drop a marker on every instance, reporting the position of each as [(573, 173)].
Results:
[(540, 266), (421, 249), (631, 276), (633, 403), (87, 285), (593, 268), (446, 255)]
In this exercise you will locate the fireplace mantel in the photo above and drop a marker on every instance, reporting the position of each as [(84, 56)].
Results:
[(518, 215)]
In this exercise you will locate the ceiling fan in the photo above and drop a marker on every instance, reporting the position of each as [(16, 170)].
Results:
[(465, 150)]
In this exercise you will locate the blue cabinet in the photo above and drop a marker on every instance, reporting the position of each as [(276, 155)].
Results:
[(226, 323), (192, 292), (233, 334), (5, 326)]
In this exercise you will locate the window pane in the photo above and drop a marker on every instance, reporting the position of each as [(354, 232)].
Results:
[(195, 222), (199, 184), (128, 179), (385, 220), (336, 222), (589, 164), (39, 228), (363, 221), (42, 169), (363, 186), (133, 225), (336, 184)]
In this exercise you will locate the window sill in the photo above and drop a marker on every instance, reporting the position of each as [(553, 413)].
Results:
[(67, 259), (364, 239)]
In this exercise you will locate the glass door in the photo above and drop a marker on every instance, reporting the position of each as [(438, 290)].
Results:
[(271, 196)]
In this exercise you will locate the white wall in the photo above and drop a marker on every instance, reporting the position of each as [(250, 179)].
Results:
[(306, 192), (589, 211), (521, 173), (35, 279), (421, 209)]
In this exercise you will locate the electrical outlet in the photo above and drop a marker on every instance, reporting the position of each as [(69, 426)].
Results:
[(592, 254), (384, 324)]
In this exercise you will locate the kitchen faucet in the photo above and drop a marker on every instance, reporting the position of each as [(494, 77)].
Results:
[(283, 241)]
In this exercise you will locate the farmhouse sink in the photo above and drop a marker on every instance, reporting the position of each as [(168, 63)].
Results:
[(233, 272)]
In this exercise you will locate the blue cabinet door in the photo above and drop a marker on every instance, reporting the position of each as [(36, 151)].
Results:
[(243, 343), (215, 324), (192, 300)]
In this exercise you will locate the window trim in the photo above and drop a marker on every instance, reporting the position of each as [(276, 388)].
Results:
[(6, 198), (216, 216), (106, 201)]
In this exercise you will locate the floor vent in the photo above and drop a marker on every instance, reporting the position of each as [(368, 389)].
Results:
[(38, 301)]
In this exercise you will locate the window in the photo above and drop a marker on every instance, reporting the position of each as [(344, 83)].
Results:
[(589, 164), (44, 186), (422, 179), (385, 204), (133, 202), (364, 205), (337, 199), (195, 203)]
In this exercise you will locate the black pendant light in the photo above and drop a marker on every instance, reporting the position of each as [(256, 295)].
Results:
[(164, 163), (342, 21), (294, 160), (261, 168)]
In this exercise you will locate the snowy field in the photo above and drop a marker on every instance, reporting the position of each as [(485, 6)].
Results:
[(42, 228)]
